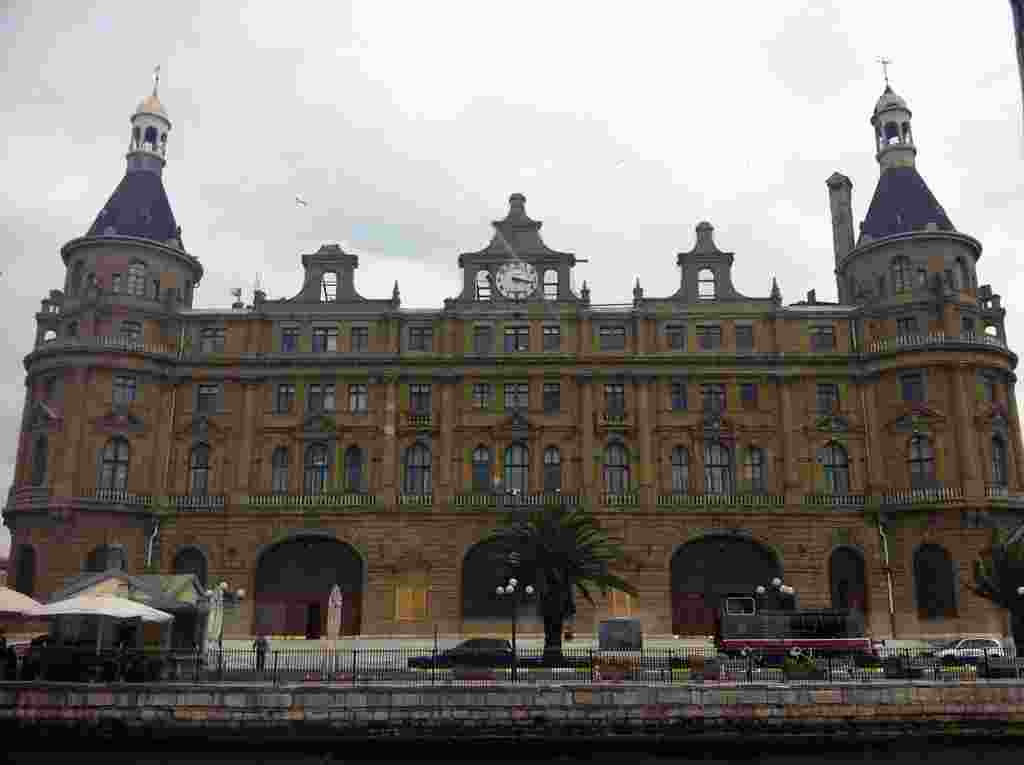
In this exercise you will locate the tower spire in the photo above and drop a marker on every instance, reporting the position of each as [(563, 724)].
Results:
[(156, 79), (885, 68)]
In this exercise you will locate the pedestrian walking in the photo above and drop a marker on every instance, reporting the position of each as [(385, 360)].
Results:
[(261, 646)]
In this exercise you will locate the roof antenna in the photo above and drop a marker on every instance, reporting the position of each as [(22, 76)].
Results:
[(156, 79), (885, 68)]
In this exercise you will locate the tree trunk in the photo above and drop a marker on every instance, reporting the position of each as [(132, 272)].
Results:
[(553, 637)]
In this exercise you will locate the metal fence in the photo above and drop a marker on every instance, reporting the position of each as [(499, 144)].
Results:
[(528, 666)]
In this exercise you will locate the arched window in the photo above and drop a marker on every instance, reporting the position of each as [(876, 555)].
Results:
[(417, 470), (481, 469), (717, 469), (754, 471), (552, 469), (483, 285), (279, 470), (354, 482), (837, 469), (136, 136), (191, 561), (906, 133), (25, 570), (551, 284), (49, 336), (680, 470), (137, 279), (706, 289), (998, 461), (964, 273), (921, 462), (150, 139), (39, 459), (517, 462), (616, 469), (892, 133), (329, 287), (900, 273), (114, 465), (199, 471), (934, 583), (316, 469), (76, 278)]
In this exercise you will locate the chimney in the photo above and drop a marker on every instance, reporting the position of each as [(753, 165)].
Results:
[(839, 197)]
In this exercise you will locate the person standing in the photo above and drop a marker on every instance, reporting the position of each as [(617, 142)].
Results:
[(261, 646)]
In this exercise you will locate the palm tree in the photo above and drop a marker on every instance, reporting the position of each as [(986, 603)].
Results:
[(561, 550), (999, 577)]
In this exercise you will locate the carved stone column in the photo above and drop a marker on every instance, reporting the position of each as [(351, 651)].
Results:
[(1016, 447), (965, 437), (250, 416), (873, 435), (585, 381), (389, 445), (447, 416), (644, 418), (790, 478)]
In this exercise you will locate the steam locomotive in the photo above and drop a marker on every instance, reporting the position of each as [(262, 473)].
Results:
[(776, 626)]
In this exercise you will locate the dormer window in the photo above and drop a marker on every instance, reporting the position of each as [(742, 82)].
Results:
[(329, 287), (483, 285), (551, 284), (706, 288)]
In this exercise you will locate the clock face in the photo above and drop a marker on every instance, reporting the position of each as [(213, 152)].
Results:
[(517, 279)]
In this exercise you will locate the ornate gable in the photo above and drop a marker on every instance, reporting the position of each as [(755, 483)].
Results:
[(120, 421), (201, 428), (917, 418)]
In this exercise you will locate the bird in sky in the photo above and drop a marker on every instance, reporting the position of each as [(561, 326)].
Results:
[(300, 201)]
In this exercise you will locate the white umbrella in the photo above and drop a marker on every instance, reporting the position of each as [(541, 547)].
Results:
[(334, 603), (13, 602), (102, 605)]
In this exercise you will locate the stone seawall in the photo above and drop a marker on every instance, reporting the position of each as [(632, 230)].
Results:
[(551, 712)]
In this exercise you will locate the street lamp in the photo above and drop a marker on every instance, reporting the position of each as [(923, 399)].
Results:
[(511, 591), (218, 595)]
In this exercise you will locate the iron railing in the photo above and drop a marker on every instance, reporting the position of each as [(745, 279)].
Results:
[(705, 500), (527, 666), (309, 500)]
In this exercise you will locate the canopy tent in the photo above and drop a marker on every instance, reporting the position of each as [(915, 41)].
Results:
[(112, 607), (13, 603)]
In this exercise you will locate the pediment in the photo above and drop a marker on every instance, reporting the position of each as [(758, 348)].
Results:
[(120, 420), (716, 422), (917, 418), (518, 425), (201, 427), (318, 423)]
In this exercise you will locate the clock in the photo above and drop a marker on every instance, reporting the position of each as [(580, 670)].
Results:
[(516, 279)]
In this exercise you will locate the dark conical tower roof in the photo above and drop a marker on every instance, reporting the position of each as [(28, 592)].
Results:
[(138, 207), (903, 203)]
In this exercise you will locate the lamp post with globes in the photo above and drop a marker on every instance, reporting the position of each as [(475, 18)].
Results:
[(218, 595), (511, 592)]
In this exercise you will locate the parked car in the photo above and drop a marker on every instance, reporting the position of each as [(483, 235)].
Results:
[(476, 652), (971, 649)]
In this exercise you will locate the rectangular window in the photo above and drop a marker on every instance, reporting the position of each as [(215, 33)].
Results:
[(517, 396), (115, 283), (419, 398), (552, 398), (709, 337), (713, 397), (612, 338), (744, 338), (156, 289), (517, 339), (828, 398), (748, 395), (678, 396), (483, 394), (421, 338), (325, 339), (552, 338), (211, 340), (360, 339), (988, 387), (206, 398), (321, 397), (967, 325), (124, 390), (912, 387), (483, 340), (289, 339), (823, 338), (410, 604), (615, 399), (676, 335), (906, 325), (285, 399), (358, 398)]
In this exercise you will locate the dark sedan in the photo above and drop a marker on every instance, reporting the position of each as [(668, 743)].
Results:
[(478, 652)]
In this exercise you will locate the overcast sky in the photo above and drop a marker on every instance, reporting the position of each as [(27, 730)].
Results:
[(406, 125)]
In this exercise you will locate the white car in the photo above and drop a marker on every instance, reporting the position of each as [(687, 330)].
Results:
[(971, 648)]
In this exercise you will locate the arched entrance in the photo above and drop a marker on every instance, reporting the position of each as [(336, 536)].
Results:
[(293, 583), (484, 568), (709, 569), (846, 579)]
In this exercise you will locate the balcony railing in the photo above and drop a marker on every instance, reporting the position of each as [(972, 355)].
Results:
[(997, 492), (195, 503), (901, 342), (613, 417), (120, 497), (939, 495), (114, 343), (629, 499), (720, 500), (474, 500), (310, 500), (419, 420), (415, 500), (835, 500)]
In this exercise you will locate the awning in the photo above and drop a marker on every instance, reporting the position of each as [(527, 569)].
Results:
[(14, 603), (102, 605)]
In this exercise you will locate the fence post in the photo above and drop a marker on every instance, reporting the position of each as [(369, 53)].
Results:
[(355, 651), (433, 662), (988, 669), (276, 676), (591, 662), (829, 657)]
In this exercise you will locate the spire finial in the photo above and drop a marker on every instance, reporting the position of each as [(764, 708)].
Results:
[(156, 78), (885, 68)]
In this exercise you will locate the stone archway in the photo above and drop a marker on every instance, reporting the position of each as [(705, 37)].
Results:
[(294, 578), (484, 568), (847, 579), (707, 570)]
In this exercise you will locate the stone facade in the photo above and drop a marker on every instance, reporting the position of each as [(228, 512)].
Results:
[(885, 425)]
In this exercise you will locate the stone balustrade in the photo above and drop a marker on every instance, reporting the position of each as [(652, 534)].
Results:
[(719, 500), (415, 500), (934, 496), (906, 342), (282, 501)]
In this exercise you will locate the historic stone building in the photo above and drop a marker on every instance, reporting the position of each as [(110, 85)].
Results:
[(861, 450)]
